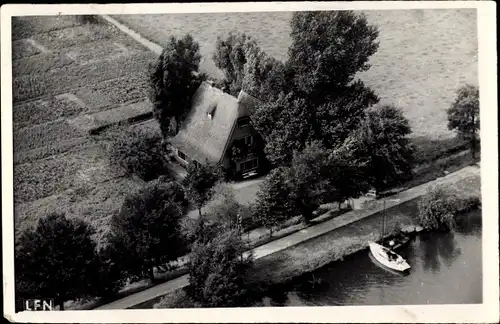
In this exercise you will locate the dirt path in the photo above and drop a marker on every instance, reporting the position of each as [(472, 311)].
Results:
[(301, 236)]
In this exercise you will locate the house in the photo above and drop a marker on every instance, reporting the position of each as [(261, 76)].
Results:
[(217, 131)]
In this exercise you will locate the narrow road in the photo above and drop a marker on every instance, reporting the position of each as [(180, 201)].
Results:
[(301, 236)]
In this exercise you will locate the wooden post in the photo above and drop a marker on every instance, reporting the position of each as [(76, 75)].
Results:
[(383, 221)]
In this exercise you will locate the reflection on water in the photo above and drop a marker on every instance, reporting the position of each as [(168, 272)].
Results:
[(446, 268)]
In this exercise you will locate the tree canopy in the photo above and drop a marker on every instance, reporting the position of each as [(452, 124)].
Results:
[(272, 206), (247, 67), (328, 49), (320, 99), (137, 152), (217, 271), (146, 232), (382, 139), (463, 115), (199, 181), (57, 259), (173, 79)]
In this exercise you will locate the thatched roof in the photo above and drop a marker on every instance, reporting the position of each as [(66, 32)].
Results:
[(204, 134)]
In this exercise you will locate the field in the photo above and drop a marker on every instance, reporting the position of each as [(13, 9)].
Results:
[(67, 76), (424, 55)]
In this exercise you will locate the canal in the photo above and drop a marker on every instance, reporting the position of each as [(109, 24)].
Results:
[(446, 269)]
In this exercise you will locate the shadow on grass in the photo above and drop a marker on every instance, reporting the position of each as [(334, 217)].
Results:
[(429, 150)]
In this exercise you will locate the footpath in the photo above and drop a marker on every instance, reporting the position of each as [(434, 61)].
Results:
[(302, 236)]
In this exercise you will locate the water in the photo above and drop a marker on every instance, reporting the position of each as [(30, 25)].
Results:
[(446, 269)]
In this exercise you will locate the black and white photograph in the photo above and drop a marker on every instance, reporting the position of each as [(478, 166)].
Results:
[(250, 162)]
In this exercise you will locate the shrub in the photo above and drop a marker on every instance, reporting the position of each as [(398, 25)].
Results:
[(199, 181), (436, 210), (138, 152), (217, 272)]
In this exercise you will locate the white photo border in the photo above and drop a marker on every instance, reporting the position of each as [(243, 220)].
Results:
[(488, 311)]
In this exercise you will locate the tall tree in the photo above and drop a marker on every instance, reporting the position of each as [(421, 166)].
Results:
[(173, 79), (347, 177), (383, 140), (309, 177), (322, 100), (146, 232), (272, 206), (217, 271), (328, 49), (57, 259), (231, 55), (247, 67), (463, 115), (198, 182), (286, 125)]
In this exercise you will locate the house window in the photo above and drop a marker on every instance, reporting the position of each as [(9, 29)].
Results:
[(249, 165), (249, 140), (181, 155), (244, 121)]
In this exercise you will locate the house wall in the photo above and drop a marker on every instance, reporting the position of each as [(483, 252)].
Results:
[(238, 133)]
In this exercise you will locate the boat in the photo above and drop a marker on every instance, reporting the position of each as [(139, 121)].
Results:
[(388, 258), (396, 241)]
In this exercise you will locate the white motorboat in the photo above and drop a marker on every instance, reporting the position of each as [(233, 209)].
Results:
[(388, 257)]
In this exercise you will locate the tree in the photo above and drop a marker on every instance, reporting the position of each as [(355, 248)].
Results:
[(383, 139), (310, 179), (272, 207), (57, 259), (137, 152), (298, 189), (286, 125), (321, 100), (223, 206), (347, 177), (217, 271), (146, 232), (247, 67), (463, 115), (199, 181), (436, 210), (231, 55), (328, 49), (173, 79)]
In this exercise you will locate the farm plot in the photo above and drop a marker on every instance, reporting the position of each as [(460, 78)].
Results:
[(115, 91), (27, 26), (56, 173), (40, 63), (83, 35), (37, 136), (62, 71), (23, 48), (46, 110), (70, 77), (94, 204)]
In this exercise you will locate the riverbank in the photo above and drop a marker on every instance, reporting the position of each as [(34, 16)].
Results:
[(317, 251)]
